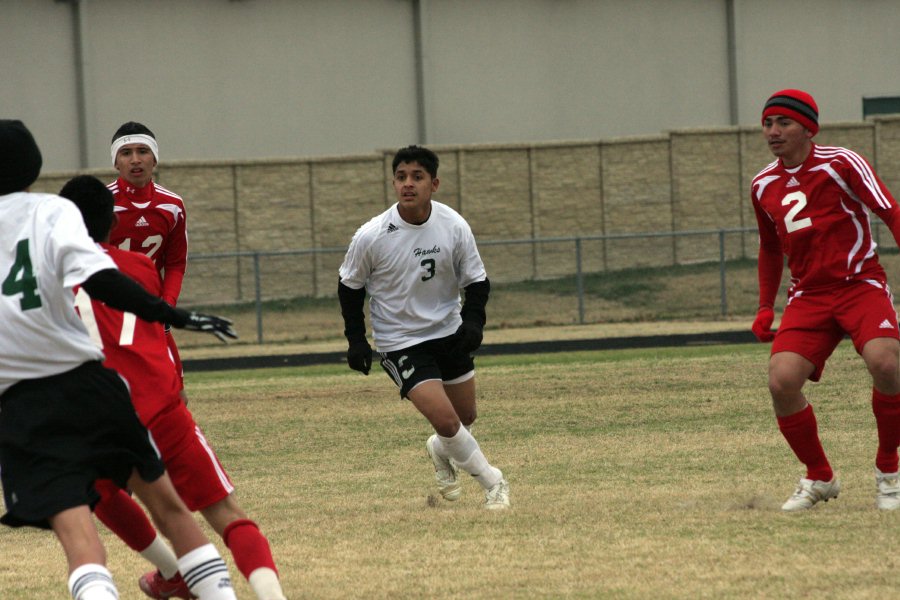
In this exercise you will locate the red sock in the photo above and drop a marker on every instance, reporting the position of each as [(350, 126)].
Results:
[(802, 434), (248, 546), (123, 516), (887, 419)]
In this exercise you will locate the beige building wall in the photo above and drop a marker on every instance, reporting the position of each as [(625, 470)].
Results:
[(240, 80)]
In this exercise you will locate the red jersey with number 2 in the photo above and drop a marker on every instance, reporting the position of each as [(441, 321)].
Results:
[(136, 349), (818, 214)]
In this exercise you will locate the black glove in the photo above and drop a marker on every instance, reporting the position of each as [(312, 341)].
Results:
[(467, 338), (359, 356), (193, 321)]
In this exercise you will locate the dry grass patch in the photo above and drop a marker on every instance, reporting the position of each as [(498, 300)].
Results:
[(633, 475)]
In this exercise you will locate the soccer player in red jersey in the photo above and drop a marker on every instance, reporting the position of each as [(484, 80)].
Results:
[(151, 219), (813, 204), (66, 420), (137, 350)]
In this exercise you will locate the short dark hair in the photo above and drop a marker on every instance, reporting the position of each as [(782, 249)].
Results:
[(131, 128), (94, 201), (423, 156)]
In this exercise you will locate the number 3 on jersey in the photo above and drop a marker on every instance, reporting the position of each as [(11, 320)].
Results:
[(791, 222), (21, 279), (428, 263)]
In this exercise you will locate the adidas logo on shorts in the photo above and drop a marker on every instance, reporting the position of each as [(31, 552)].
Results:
[(885, 325)]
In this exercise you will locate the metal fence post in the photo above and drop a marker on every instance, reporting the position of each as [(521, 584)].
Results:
[(722, 292), (579, 281), (258, 295)]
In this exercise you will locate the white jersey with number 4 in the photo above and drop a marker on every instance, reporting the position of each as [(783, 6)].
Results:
[(413, 274), (45, 251)]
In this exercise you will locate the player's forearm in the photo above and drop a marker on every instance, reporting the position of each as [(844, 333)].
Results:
[(891, 218), (123, 293), (769, 270), (352, 310), (171, 286), (476, 298)]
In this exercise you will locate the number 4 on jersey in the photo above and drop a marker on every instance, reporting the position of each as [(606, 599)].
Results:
[(21, 279)]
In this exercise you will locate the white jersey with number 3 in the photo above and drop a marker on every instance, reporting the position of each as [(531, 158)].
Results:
[(413, 274), (45, 251)]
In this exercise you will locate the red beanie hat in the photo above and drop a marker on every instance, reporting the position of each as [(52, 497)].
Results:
[(796, 105)]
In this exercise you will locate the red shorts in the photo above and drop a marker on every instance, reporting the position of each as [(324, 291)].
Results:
[(814, 323), (191, 463)]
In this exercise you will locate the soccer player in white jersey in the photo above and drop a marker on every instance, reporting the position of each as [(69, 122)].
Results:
[(813, 204), (65, 420), (413, 259)]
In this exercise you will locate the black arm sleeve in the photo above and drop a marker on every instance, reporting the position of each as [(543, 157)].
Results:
[(123, 293), (476, 299), (352, 303)]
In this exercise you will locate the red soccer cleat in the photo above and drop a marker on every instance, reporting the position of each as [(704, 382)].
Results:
[(156, 586)]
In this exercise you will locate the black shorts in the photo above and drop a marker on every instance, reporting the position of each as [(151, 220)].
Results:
[(59, 434), (429, 360)]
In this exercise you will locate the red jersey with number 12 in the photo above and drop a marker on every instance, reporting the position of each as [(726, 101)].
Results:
[(818, 215), (151, 220), (136, 349)]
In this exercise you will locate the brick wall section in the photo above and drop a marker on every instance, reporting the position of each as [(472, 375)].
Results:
[(637, 198), (566, 200), (887, 155), (346, 193), (705, 190), (496, 200), (682, 180), (275, 212)]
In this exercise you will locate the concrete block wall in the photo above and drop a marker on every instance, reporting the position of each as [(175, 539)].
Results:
[(684, 180)]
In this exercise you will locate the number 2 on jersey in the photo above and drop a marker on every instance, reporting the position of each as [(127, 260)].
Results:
[(791, 222), (21, 279)]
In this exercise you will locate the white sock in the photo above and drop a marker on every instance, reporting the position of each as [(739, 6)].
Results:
[(159, 553), (205, 574), (92, 582), (467, 455), (265, 584)]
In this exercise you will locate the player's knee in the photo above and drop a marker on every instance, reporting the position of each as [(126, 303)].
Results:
[(223, 513), (785, 389), (885, 373), (447, 427)]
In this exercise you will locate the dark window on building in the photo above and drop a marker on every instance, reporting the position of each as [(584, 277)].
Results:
[(881, 105)]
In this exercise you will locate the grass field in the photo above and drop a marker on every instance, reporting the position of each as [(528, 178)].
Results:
[(634, 474)]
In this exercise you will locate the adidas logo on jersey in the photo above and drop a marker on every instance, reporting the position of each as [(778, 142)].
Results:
[(392, 228), (792, 182), (885, 325), (142, 222)]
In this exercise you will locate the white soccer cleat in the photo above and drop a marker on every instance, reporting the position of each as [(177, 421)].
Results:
[(810, 492), (497, 498), (888, 485), (445, 473)]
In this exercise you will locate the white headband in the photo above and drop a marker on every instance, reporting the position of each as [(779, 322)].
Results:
[(138, 138)]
